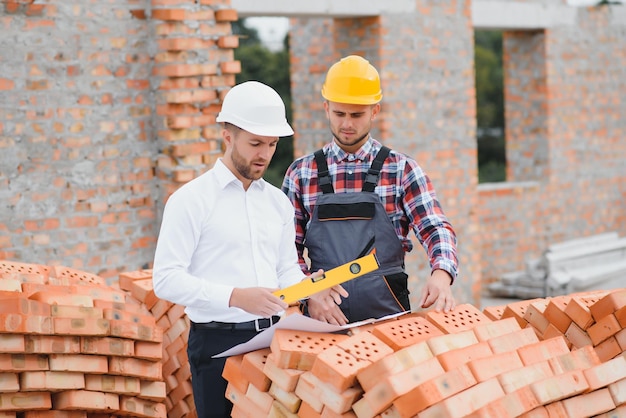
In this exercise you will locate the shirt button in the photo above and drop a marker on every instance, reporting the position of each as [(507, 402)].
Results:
[(350, 172)]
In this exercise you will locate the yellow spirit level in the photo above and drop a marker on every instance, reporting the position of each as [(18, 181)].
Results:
[(332, 277)]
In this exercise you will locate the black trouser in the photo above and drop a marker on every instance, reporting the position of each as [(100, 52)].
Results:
[(209, 387)]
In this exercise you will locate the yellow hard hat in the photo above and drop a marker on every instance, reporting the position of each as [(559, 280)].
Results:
[(352, 80)]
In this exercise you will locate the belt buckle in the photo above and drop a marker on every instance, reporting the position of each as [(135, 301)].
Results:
[(258, 328)]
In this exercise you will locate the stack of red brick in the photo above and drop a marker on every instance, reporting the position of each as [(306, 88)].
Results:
[(72, 346)]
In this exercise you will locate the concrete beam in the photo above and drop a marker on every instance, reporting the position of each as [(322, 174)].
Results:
[(486, 14)]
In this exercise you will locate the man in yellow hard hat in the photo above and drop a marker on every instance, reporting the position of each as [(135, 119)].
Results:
[(226, 243), (354, 195)]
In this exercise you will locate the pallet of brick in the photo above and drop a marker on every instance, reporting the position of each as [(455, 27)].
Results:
[(70, 344), (175, 324)]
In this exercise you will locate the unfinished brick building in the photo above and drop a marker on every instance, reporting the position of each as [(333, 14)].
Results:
[(107, 107)]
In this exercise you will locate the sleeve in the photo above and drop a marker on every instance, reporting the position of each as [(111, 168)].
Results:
[(428, 221), (291, 187)]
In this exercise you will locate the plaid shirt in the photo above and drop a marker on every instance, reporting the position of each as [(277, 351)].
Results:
[(404, 189)]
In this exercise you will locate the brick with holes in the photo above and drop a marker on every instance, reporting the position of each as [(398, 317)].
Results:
[(405, 332), (299, 349), (464, 317)]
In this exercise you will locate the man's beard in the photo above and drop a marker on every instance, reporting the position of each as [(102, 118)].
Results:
[(244, 168), (345, 142)]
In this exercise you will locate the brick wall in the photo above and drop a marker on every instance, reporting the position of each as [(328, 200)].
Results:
[(107, 108)]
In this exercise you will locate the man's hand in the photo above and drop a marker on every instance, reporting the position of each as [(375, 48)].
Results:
[(257, 300), (323, 305), (438, 291)]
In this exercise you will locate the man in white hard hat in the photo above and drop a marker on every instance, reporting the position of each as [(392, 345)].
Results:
[(227, 242)]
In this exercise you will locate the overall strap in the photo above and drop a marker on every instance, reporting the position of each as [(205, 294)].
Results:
[(323, 177), (371, 179)]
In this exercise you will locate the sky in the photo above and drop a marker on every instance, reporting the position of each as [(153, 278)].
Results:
[(271, 30)]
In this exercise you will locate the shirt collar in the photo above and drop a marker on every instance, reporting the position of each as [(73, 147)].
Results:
[(363, 154), (225, 176)]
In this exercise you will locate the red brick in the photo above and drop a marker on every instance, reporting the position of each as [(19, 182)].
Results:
[(559, 387), (435, 391), (252, 366), (23, 362), (246, 407), (226, 15), (337, 367), (494, 312), (518, 378), (487, 367), (129, 366), (9, 382), (107, 346), (309, 391), (620, 314), (25, 324), (48, 344), (397, 362), (543, 350), (142, 407), (575, 360), (262, 399), (534, 315), (405, 331), (69, 311), (460, 356), (555, 312), (25, 401), (467, 401), (21, 305), (605, 327), (86, 400), (286, 379), (464, 317), (232, 372), (608, 304), (81, 326), (489, 330), (113, 384), (608, 349), (589, 404), (149, 350), (383, 391), (51, 381), (517, 310), (513, 341), (12, 343), (299, 349), (330, 400), (441, 344), (578, 311), (78, 363), (577, 336)]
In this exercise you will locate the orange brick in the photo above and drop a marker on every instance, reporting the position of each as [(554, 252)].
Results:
[(113, 384), (127, 277), (143, 290), (299, 349), (555, 388), (309, 391), (555, 312), (464, 317), (12, 343), (578, 311), (435, 391), (442, 343), (233, 373), (25, 401), (286, 379), (149, 350), (577, 336), (517, 310), (327, 395), (618, 412), (246, 407), (513, 341), (543, 350), (605, 327), (608, 304), (518, 378), (26, 324), (147, 320), (512, 404), (129, 366), (81, 326), (68, 311), (135, 308), (618, 392), (534, 315), (494, 312), (75, 276), (488, 330), (397, 362), (226, 15), (460, 356), (287, 399), (589, 404), (467, 401), (556, 410), (78, 363), (386, 389), (107, 346), (606, 373), (405, 332), (9, 382), (131, 330), (575, 360), (620, 314), (252, 366), (142, 407), (608, 349), (51, 381), (337, 367), (307, 411), (262, 399), (23, 362), (48, 344), (553, 332), (86, 400), (21, 305), (152, 390), (487, 367)]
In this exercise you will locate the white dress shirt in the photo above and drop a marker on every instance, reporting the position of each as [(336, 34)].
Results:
[(216, 236)]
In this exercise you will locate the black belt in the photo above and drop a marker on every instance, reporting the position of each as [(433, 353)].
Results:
[(257, 325)]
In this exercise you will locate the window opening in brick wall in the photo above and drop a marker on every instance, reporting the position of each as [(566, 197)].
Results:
[(490, 133)]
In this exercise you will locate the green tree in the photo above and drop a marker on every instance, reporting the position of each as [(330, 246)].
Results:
[(272, 68)]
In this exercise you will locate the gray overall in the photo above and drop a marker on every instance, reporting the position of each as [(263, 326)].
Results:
[(347, 226)]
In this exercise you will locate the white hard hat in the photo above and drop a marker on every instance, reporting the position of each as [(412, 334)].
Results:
[(256, 108)]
